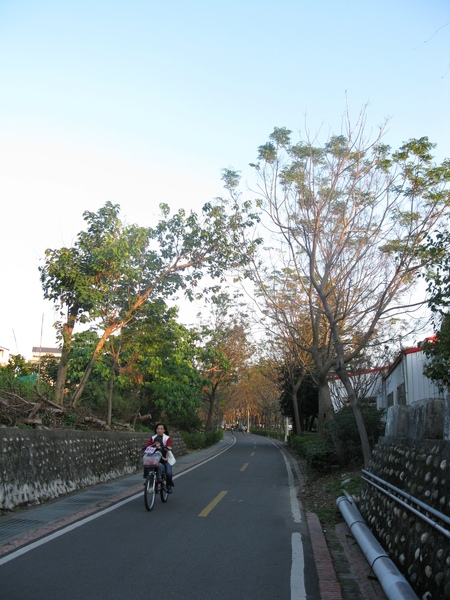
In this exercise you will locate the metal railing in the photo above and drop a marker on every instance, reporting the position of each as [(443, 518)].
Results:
[(410, 503)]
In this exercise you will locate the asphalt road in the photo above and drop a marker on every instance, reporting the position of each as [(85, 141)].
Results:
[(231, 529)]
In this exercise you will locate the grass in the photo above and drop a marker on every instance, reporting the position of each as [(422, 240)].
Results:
[(320, 491)]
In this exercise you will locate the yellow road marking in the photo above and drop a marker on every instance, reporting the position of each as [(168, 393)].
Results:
[(244, 466), (252, 454), (205, 512)]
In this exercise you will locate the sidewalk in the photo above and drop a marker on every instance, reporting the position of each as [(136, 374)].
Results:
[(342, 568)]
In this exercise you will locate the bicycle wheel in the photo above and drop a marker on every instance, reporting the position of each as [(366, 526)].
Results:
[(164, 493), (149, 491)]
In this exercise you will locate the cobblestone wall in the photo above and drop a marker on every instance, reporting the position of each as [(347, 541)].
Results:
[(421, 469), (37, 465)]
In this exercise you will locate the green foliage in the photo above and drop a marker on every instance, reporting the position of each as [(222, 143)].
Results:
[(438, 353), (114, 269), (197, 441), (69, 420), (19, 377), (345, 429), (12, 384), (48, 369), (143, 428), (272, 433), (435, 252), (307, 397), (334, 487), (317, 453), (18, 366)]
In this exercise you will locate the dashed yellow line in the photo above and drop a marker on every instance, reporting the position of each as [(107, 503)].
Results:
[(244, 466), (205, 512)]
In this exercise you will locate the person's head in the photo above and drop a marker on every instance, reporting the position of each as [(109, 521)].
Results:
[(161, 429), (158, 442)]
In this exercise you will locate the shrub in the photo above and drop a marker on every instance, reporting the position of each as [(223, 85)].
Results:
[(346, 430), (317, 453), (278, 435), (199, 440)]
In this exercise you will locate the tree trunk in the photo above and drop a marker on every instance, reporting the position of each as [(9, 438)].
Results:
[(367, 453), (327, 414), (295, 388), (61, 378), (326, 411), (88, 371), (210, 413), (111, 390)]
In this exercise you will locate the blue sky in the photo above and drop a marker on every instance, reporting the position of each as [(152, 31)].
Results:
[(144, 102)]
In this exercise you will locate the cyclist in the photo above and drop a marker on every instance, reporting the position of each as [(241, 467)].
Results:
[(161, 440)]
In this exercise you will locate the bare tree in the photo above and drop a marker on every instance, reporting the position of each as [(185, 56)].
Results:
[(348, 218)]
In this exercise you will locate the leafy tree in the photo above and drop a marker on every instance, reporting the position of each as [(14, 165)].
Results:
[(438, 353), (305, 395), (346, 430), (255, 394), (223, 360), (114, 269), (167, 359), (348, 218), (18, 366), (48, 369), (436, 253), (75, 278), (148, 368)]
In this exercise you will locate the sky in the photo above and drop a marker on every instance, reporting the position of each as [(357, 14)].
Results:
[(141, 102)]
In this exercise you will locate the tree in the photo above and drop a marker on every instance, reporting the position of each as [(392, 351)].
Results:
[(147, 372), (254, 398), (349, 217), (436, 252), (171, 384), (113, 269), (299, 399), (75, 278), (223, 359)]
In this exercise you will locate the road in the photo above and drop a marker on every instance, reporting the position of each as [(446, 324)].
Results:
[(231, 529)]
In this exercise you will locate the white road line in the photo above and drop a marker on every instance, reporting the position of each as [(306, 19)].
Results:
[(61, 532), (298, 591), (295, 505), (73, 526)]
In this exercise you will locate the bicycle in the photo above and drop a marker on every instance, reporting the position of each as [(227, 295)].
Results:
[(152, 486)]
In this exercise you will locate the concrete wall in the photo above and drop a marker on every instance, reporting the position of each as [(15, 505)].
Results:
[(424, 419), (36, 465), (422, 469)]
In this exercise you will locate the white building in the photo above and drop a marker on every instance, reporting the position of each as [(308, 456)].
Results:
[(366, 383), (38, 351), (4, 356), (405, 383)]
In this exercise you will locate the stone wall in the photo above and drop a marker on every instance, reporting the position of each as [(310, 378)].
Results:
[(37, 465), (427, 419), (420, 468)]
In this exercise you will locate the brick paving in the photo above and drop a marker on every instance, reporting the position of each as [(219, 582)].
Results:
[(367, 582)]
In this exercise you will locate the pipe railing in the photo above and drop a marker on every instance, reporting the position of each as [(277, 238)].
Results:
[(429, 509), (394, 585)]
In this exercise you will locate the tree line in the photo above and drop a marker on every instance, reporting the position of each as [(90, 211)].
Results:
[(328, 247)]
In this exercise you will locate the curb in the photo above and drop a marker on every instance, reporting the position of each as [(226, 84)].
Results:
[(328, 581)]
